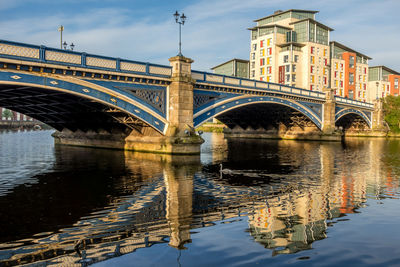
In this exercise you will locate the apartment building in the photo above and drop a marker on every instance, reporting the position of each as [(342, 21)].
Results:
[(382, 82), (349, 72), (234, 67), (14, 116), (292, 48)]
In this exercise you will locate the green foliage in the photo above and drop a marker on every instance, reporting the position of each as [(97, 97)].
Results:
[(7, 114), (391, 107)]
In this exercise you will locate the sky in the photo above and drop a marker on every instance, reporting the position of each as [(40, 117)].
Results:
[(215, 30)]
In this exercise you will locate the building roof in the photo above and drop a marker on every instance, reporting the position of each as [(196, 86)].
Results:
[(386, 68), (270, 26), (286, 11), (348, 49), (314, 21), (233, 59)]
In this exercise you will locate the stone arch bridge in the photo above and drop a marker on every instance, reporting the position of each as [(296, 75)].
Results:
[(101, 101)]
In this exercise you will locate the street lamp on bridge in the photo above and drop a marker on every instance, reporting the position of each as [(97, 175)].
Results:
[(180, 19)]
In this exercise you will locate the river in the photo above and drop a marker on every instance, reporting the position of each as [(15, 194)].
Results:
[(274, 203)]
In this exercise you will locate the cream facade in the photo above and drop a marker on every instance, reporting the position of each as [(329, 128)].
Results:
[(291, 48), (382, 82)]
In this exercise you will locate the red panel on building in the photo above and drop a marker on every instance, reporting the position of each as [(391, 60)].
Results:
[(282, 74)]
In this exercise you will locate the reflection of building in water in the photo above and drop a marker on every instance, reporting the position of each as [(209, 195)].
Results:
[(291, 221)]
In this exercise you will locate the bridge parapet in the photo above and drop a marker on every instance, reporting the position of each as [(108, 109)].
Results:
[(247, 84), (42, 54), (354, 103)]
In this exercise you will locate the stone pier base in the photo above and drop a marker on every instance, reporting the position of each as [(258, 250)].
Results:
[(187, 145), (278, 134), (366, 133)]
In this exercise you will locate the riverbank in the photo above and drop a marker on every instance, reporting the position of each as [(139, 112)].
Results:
[(23, 125)]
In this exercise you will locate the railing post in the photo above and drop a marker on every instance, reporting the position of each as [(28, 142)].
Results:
[(83, 59), (42, 53), (118, 64)]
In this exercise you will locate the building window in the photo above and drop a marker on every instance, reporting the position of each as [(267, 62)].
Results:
[(341, 84), (312, 79), (335, 74), (270, 51), (262, 43), (311, 87), (326, 62), (287, 68), (262, 52), (262, 61), (253, 73), (351, 78), (254, 46), (285, 58), (269, 70), (365, 70), (396, 83), (261, 71), (269, 42), (312, 60), (253, 56), (312, 49), (268, 60), (325, 52), (351, 62), (296, 58), (312, 69), (253, 64), (325, 81), (293, 77), (288, 78), (293, 68)]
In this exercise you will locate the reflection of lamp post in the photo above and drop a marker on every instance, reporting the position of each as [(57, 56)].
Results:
[(377, 86), (180, 22)]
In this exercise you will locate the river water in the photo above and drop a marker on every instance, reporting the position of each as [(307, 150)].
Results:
[(274, 203)]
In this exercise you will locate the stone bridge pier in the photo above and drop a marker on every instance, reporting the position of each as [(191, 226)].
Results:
[(180, 136)]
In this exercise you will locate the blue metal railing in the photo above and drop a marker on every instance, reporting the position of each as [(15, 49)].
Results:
[(43, 54)]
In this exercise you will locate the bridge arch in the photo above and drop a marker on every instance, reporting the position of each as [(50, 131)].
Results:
[(347, 112), (230, 104), (46, 97)]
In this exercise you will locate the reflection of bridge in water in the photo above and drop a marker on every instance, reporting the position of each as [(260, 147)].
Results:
[(287, 207)]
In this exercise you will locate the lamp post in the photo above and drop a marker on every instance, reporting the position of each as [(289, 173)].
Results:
[(180, 19), (61, 29), (71, 46)]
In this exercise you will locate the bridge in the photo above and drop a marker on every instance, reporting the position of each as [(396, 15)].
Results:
[(100, 101)]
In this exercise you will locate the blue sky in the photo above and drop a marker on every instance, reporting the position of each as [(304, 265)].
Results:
[(216, 30)]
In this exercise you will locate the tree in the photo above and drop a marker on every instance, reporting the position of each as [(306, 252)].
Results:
[(7, 114), (391, 107)]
